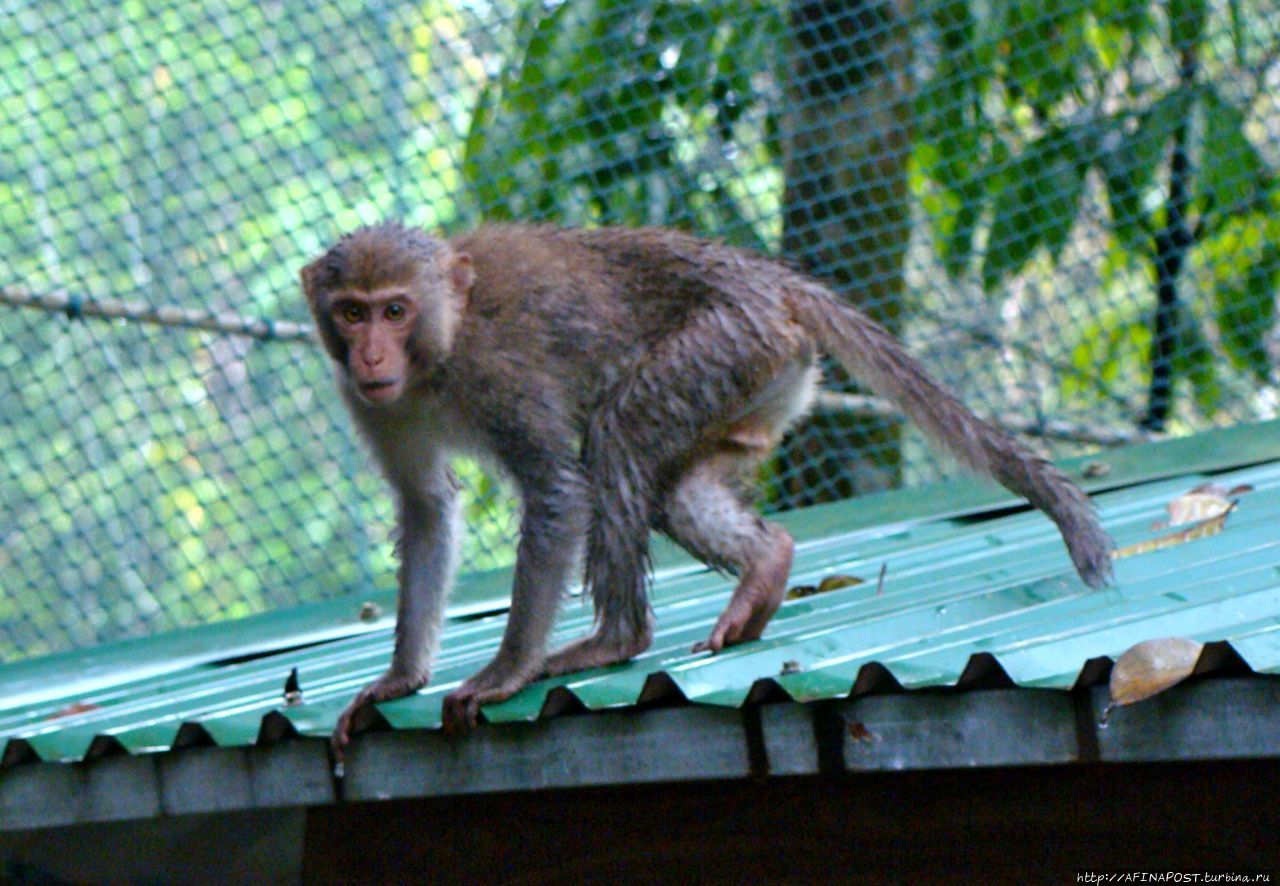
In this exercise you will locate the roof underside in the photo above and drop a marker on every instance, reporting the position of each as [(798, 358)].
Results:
[(972, 594)]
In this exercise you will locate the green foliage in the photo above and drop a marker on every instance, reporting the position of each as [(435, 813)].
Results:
[(194, 157), (1233, 179), (1035, 204), (564, 132), (1019, 115)]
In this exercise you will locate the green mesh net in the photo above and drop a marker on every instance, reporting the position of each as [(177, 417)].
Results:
[(1066, 208)]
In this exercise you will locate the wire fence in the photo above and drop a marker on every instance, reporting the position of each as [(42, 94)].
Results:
[(1067, 208)]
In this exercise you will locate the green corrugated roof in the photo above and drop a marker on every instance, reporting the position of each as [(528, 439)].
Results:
[(968, 585)]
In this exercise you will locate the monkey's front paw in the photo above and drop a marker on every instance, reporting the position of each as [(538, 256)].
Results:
[(462, 706), (385, 688)]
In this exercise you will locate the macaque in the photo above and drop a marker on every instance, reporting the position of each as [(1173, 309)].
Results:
[(625, 380)]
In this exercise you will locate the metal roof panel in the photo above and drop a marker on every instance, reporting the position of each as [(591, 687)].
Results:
[(988, 592)]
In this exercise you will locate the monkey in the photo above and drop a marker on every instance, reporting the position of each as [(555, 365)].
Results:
[(625, 380)]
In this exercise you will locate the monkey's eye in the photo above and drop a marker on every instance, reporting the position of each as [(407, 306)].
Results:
[(351, 313), (394, 312)]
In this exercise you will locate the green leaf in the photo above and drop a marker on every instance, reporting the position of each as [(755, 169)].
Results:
[(956, 247), (1157, 125), (1058, 191), (1247, 313), (1186, 22), (1193, 360), (1238, 31), (478, 160), (1126, 179), (1129, 161), (690, 31), (1046, 47), (1014, 237), (1129, 15), (733, 91), (955, 24), (1036, 206), (1112, 347), (1233, 176)]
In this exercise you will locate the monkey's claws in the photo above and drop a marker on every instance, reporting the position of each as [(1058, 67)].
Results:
[(360, 711), (461, 711), (744, 619)]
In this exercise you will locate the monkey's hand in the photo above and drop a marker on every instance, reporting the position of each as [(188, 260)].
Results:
[(498, 681), (390, 685)]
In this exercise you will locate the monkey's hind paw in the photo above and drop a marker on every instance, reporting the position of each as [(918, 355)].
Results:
[(595, 651), (743, 620), (461, 711), (755, 599)]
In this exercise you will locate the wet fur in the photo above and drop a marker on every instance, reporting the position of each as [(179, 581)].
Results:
[(625, 379)]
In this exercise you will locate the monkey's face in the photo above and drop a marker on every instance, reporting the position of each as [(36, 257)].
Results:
[(375, 329), (387, 301)]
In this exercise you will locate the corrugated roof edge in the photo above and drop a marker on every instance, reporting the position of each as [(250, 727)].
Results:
[(982, 671), (1204, 719)]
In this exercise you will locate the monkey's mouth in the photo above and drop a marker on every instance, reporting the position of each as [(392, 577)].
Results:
[(380, 390)]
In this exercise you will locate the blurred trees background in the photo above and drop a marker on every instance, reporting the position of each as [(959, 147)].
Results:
[(1067, 208)]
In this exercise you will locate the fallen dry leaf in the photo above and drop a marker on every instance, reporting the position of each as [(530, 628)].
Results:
[(835, 582), (1151, 667), (76, 707), (1205, 528), (1204, 502), (830, 583)]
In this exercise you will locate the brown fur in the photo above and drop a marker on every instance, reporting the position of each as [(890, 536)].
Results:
[(625, 379)]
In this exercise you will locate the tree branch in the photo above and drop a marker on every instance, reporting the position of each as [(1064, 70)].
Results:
[(74, 307)]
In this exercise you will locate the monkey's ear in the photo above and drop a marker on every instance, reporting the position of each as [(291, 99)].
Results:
[(461, 273), (309, 276)]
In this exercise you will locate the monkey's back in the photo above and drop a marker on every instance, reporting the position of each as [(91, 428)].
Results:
[(650, 278), (576, 310)]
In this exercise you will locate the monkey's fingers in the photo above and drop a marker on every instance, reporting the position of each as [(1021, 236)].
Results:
[(730, 629), (722, 635), (340, 739), (359, 713), (342, 731), (461, 711), (745, 618), (461, 714)]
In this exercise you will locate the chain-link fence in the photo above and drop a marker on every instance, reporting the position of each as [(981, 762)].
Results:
[(1065, 206)]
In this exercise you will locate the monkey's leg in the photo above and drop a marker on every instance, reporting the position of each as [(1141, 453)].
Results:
[(700, 392), (551, 530), (624, 621), (428, 522), (707, 513)]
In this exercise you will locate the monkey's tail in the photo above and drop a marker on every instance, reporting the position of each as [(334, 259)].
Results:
[(879, 360)]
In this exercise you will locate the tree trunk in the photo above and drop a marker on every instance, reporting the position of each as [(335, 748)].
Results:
[(846, 131)]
